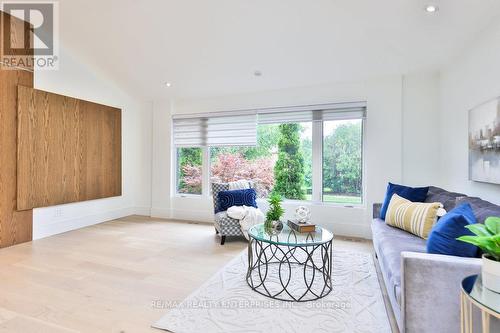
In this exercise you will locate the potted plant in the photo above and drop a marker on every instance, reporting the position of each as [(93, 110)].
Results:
[(488, 240), (274, 213)]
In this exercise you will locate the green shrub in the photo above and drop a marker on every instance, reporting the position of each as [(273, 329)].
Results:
[(289, 168)]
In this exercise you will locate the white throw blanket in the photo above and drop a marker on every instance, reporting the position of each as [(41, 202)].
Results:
[(248, 217), (241, 184)]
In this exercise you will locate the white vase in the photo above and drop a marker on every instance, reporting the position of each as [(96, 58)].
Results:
[(491, 274)]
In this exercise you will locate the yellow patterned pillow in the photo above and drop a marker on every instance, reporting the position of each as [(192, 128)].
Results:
[(415, 217)]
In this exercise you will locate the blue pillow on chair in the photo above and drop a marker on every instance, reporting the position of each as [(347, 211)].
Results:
[(228, 199), (414, 194), (442, 239)]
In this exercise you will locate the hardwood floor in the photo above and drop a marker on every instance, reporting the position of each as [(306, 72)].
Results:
[(111, 277)]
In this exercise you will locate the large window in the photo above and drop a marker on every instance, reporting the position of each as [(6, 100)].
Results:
[(189, 170), (307, 153), (342, 161)]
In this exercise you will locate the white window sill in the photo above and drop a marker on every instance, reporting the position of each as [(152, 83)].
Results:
[(308, 203), (188, 195), (321, 204)]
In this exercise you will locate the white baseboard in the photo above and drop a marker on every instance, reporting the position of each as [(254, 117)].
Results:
[(163, 213), (181, 214), (350, 230), (143, 211), (343, 229), (45, 229)]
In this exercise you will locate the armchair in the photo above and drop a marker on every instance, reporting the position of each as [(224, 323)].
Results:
[(224, 225)]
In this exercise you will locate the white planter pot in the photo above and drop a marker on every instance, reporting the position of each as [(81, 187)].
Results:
[(491, 274)]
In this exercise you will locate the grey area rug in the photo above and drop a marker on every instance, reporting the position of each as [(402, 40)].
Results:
[(225, 303)]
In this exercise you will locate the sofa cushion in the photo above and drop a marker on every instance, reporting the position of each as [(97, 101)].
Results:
[(448, 199), (443, 237), (415, 217), (389, 242), (415, 194), (482, 208)]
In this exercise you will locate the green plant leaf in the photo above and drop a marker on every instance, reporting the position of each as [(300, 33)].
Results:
[(493, 224), (488, 244), (479, 229), (275, 210), (480, 242), (475, 240)]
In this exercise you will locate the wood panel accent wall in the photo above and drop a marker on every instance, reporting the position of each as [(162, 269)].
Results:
[(16, 34), (15, 227), (68, 150)]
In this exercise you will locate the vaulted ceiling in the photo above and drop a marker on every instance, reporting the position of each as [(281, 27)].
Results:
[(213, 47)]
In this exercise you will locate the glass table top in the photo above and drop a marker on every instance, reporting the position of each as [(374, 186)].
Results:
[(290, 237), (473, 286)]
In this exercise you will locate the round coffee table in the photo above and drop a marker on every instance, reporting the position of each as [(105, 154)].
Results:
[(290, 266)]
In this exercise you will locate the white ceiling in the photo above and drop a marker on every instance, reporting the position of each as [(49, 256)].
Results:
[(212, 47)]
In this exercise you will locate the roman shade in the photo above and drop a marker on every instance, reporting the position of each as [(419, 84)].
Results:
[(219, 130), (319, 112), (239, 127)]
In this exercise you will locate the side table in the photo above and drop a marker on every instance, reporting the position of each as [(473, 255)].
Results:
[(474, 295)]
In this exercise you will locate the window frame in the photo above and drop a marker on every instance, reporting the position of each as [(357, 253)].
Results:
[(317, 171)]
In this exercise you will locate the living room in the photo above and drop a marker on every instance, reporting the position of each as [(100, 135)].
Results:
[(130, 149)]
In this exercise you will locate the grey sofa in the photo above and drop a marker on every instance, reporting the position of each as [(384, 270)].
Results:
[(423, 288)]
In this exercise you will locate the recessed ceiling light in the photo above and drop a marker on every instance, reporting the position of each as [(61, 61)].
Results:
[(257, 73), (431, 8), (168, 84)]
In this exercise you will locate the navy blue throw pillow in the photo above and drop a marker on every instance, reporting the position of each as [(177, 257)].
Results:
[(414, 194), (443, 236), (236, 198)]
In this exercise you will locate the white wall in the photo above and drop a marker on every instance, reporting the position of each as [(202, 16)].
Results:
[(161, 160), (383, 148), (421, 129), (470, 79), (76, 79)]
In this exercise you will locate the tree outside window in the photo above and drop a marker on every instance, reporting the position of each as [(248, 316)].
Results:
[(259, 163), (229, 164), (189, 170), (342, 161)]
